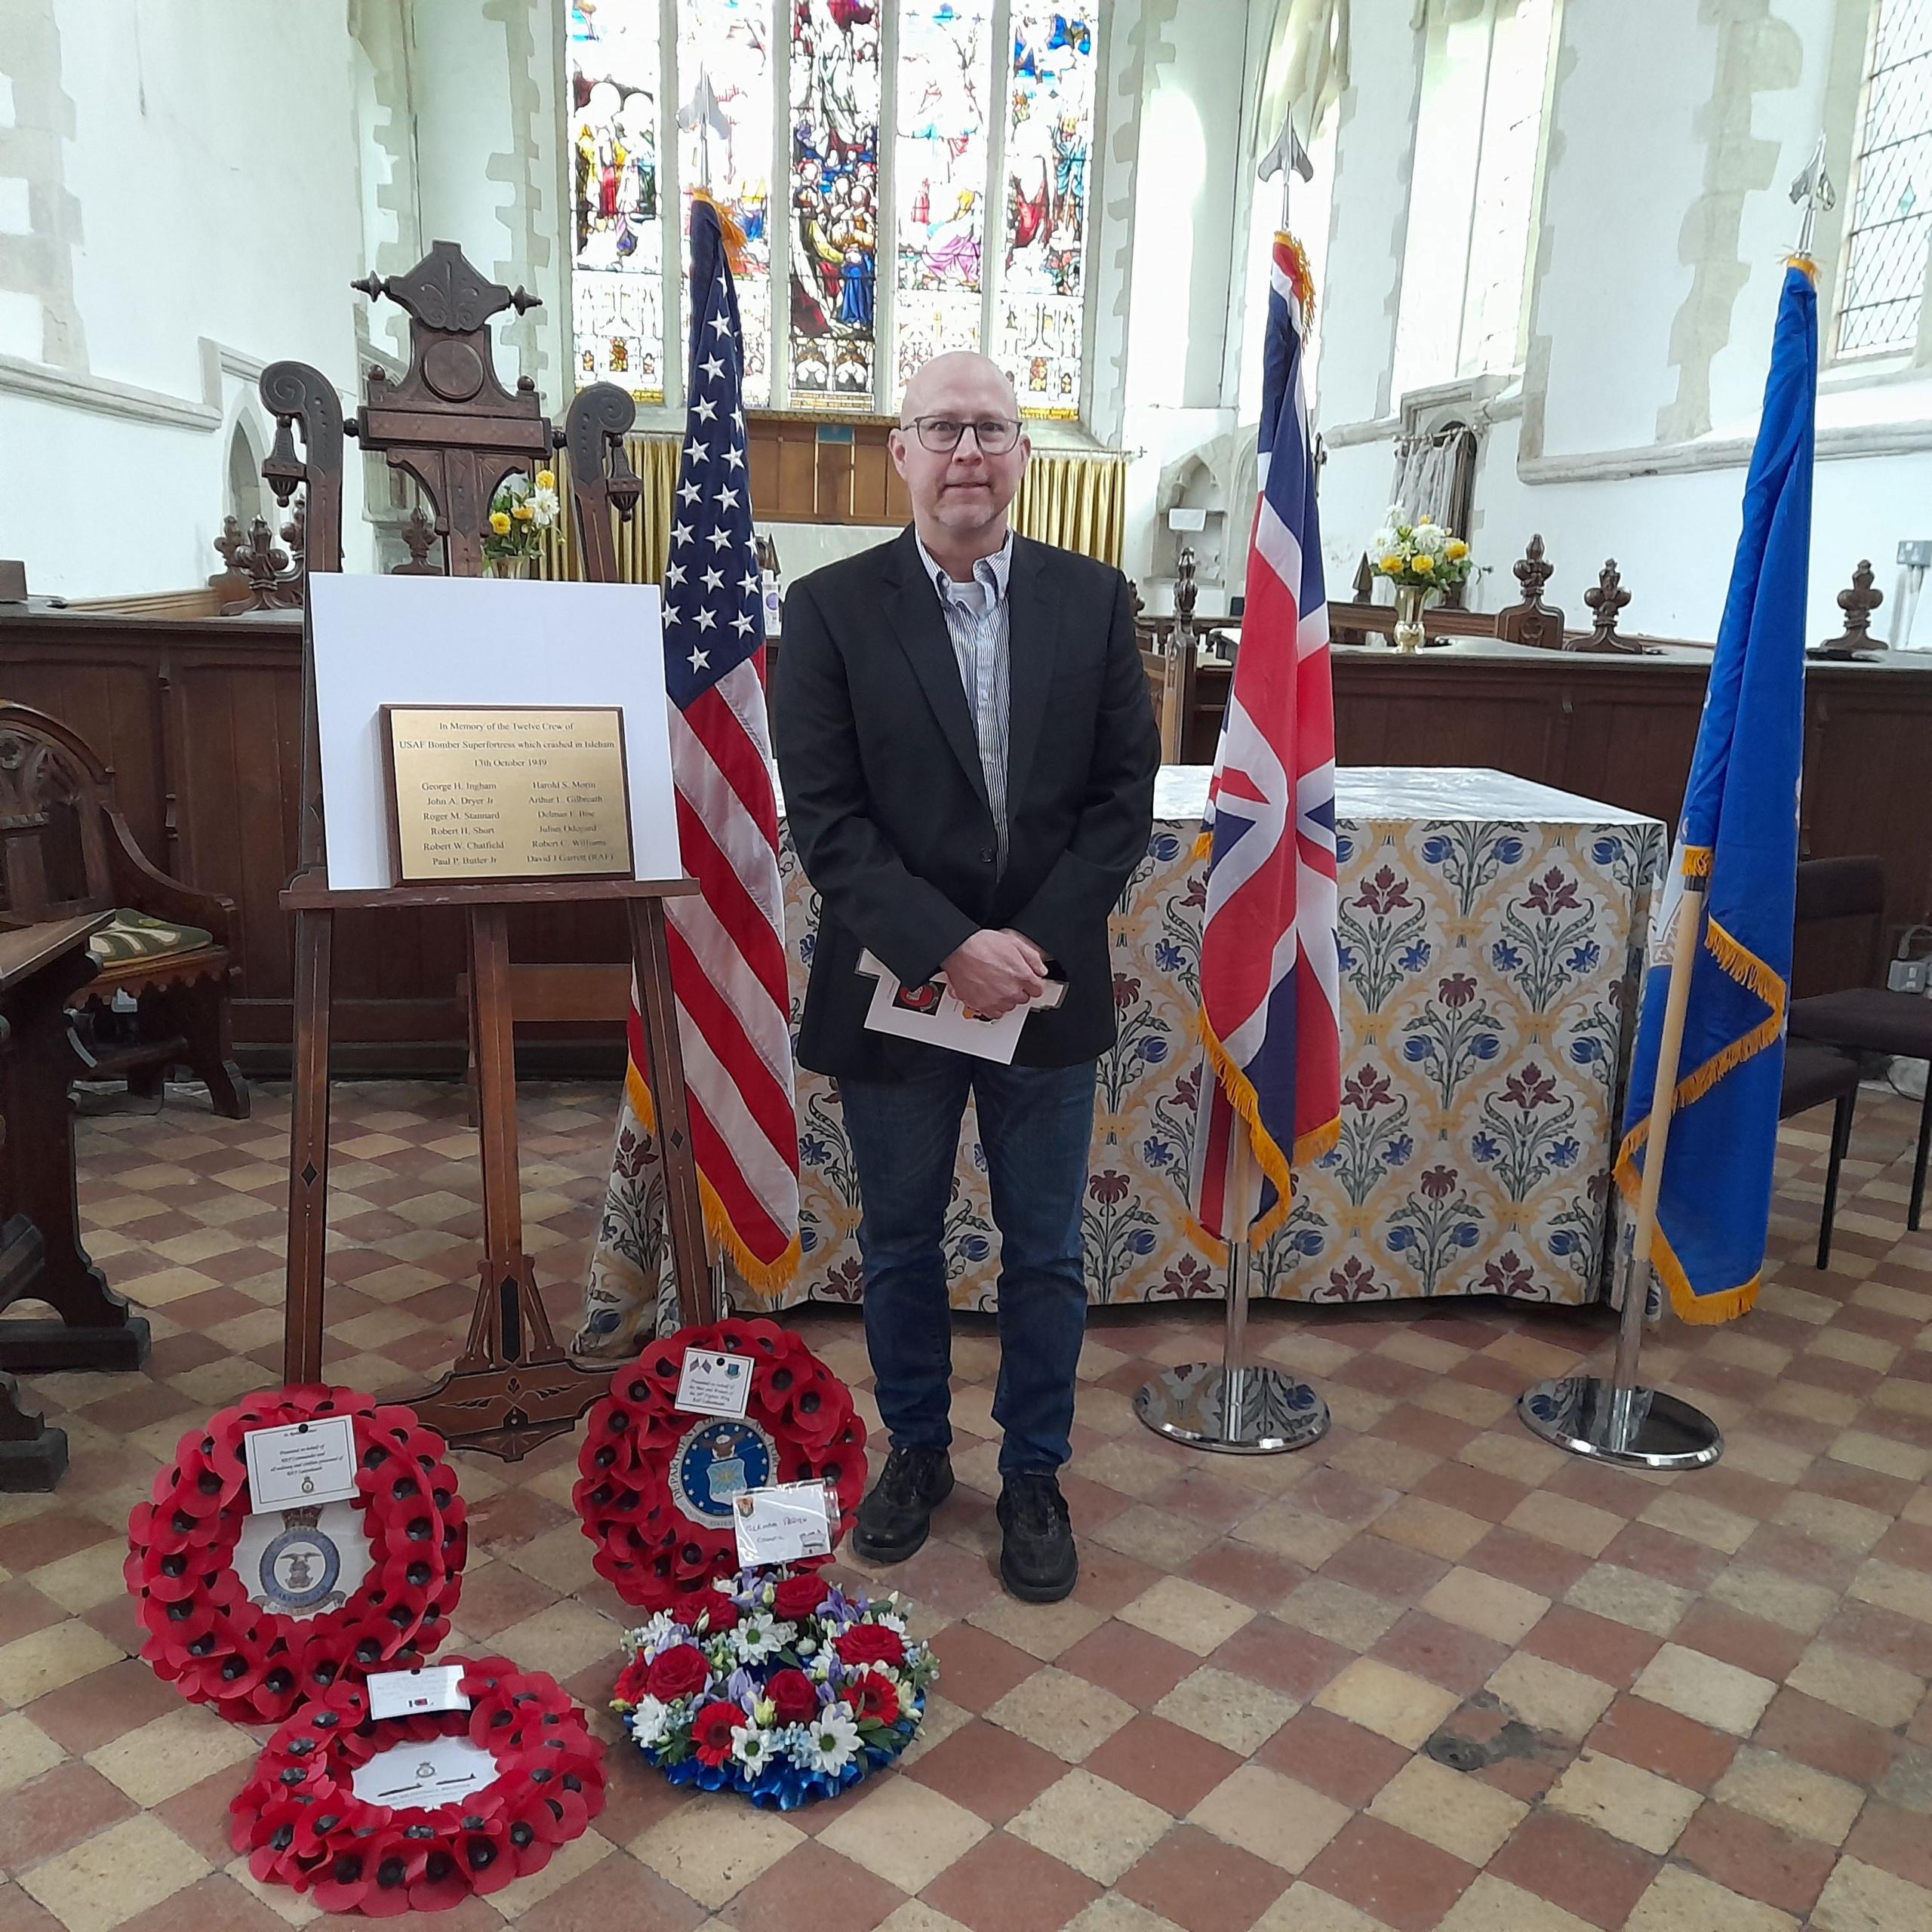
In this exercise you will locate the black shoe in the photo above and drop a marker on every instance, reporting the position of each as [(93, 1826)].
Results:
[(1038, 1562), (895, 1518)]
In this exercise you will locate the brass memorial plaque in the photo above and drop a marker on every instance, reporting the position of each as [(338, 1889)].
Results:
[(507, 791)]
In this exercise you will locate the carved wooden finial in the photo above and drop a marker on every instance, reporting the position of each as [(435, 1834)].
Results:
[(1531, 621), (418, 537), (1606, 601), (1532, 570), (259, 575), (1186, 590), (1365, 586), (1857, 600)]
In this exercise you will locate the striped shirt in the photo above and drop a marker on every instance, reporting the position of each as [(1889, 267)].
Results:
[(976, 622)]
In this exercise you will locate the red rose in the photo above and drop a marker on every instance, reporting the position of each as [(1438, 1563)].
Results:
[(871, 1643), (792, 1692), (878, 1699), (632, 1681), (797, 1597), (678, 1673), (722, 1612), (711, 1729)]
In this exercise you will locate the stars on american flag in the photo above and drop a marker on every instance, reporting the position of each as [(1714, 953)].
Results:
[(713, 586)]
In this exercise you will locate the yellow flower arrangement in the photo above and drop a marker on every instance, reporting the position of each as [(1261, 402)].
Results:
[(1422, 555), (522, 510)]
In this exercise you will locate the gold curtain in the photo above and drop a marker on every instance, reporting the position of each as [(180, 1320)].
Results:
[(1078, 502), (643, 544)]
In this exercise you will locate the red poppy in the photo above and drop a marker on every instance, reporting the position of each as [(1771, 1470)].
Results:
[(646, 1546), (878, 1699), (711, 1731), (871, 1643), (681, 1672), (797, 1597), (794, 1696)]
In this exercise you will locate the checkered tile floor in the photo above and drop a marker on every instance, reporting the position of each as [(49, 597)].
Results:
[(1430, 1674)]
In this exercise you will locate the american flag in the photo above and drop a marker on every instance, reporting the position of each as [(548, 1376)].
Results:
[(1270, 969), (727, 943)]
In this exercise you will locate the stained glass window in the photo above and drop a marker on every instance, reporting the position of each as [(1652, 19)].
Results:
[(945, 82), (1049, 139), (617, 289), (754, 98), (834, 236), (1884, 292), (728, 44)]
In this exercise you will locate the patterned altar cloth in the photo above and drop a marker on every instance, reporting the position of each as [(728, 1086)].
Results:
[(1492, 932)]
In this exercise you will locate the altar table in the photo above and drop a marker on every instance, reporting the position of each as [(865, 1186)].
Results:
[(1491, 936)]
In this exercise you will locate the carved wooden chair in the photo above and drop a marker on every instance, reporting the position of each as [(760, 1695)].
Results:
[(65, 850)]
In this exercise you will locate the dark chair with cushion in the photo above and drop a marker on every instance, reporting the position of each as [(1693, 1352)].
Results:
[(65, 850), (1868, 1018), (1815, 1076)]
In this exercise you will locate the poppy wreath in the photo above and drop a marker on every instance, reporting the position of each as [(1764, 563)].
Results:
[(255, 1665), (774, 1684), (654, 1486), (301, 1823)]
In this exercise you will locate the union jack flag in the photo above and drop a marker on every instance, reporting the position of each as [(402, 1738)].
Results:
[(727, 942), (1269, 969)]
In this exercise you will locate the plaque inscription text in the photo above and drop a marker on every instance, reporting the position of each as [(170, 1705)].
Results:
[(507, 791)]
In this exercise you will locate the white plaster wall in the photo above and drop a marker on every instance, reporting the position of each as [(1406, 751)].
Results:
[(1653, 297), (217, 201)]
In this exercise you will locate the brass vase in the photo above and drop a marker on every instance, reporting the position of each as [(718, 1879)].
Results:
[(508, 566), (1409, 599)]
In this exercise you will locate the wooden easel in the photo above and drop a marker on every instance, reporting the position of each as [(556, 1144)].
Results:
[(451, 425)]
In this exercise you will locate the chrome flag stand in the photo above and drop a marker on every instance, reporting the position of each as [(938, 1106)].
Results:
[(1240, 1408), (1620, 1421)]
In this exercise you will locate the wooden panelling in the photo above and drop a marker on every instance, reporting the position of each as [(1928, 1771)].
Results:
[(201, 721), (810, 469)]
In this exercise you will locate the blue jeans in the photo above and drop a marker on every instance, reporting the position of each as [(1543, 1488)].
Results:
[(1035, 1124)]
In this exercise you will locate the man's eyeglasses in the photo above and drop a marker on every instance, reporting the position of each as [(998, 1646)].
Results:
[(994, 435)]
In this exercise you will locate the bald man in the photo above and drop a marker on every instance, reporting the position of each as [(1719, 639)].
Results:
[(968, 756)]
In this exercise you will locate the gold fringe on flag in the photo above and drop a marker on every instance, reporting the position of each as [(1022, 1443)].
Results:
[(1740, 963), (1301, 276), (764, 1278), (729, 226)]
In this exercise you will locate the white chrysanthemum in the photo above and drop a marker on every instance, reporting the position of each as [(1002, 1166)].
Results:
[(829, 1741), (759, 1636), (1429, 538), (890, 1620), (751, 1745), (650, 1722), (1383, 539)]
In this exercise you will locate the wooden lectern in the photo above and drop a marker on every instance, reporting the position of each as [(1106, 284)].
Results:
[(452, 425)]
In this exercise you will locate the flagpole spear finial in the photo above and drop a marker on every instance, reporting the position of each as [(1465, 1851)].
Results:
[(703, 113), (1812, 191), (1287, 157)]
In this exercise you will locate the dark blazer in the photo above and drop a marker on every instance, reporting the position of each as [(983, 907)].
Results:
[(886, 801)]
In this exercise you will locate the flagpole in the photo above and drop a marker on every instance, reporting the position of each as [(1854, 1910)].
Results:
[(1240, 1408), (1620, 1420)]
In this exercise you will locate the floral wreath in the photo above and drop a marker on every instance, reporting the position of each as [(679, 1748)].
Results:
[(774, 1684), (255, 1663), (654, 1485), (302, 1824)]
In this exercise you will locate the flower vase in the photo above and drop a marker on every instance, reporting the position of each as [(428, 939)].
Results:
[(507, 566), (1409, 598)]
